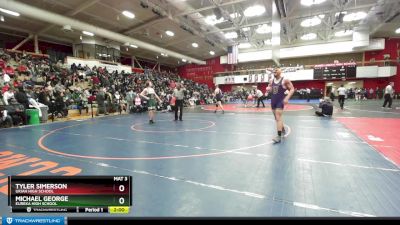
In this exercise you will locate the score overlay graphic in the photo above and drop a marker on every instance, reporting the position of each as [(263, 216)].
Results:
[(79, 194)]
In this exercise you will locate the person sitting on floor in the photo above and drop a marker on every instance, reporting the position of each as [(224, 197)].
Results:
[(325, 108)]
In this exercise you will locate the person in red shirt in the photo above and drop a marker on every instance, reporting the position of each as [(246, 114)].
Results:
[(95, 80), (2, 64), (16, 83), (9, 70)]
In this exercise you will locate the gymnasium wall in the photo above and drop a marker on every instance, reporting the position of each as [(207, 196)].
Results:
[(392, 47), (203, 73)]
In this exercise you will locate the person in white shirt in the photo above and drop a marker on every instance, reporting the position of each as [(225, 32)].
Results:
[(371, 93), (9, 94), (342, 95), (260, 98), (308, 94), (6, 78), (388, 95)]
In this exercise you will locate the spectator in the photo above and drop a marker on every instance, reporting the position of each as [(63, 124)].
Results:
[(6, 78), (308, 94), (129, 99), (22, 97), (8, 95), (371, 93), (5, 118), (101, 101), (138, 104)]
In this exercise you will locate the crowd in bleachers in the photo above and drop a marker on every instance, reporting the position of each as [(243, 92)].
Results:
[(29, 81)]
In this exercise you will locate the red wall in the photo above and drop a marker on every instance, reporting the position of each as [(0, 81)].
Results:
[(376, 82), (392, 46), (203, 74)]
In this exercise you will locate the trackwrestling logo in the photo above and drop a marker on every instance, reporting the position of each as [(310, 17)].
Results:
[(33, 220)]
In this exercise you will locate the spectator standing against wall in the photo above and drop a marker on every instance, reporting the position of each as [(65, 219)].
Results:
[(371, 93), (308, 94)]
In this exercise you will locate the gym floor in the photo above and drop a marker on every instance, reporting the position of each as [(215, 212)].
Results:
[(225, 164)]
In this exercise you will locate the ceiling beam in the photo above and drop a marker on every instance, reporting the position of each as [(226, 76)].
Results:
[(146, 23), (119, 12), (51, 17), (51, 37), (80, 8), (209, 7), (93, 15)]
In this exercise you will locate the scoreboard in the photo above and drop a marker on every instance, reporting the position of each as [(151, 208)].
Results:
[(335, 71), (78, 194)]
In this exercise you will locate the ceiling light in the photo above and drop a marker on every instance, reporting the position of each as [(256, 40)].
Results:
[(309, 36), (128, 14), (212, 53), (263, 29), (2, 18), (169, 33), (398, 31), (256, 10), (184, 60), (195, 45), (354, 16), (245, 29), (133, 46), (244, 45), (163, 54), (311, 2), (231, 35), (268, 42), (9, 12), (343, 33), (311, 22), (212, 20), (87, 33)]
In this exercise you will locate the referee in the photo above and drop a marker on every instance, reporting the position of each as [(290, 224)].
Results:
[(179, 94)]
